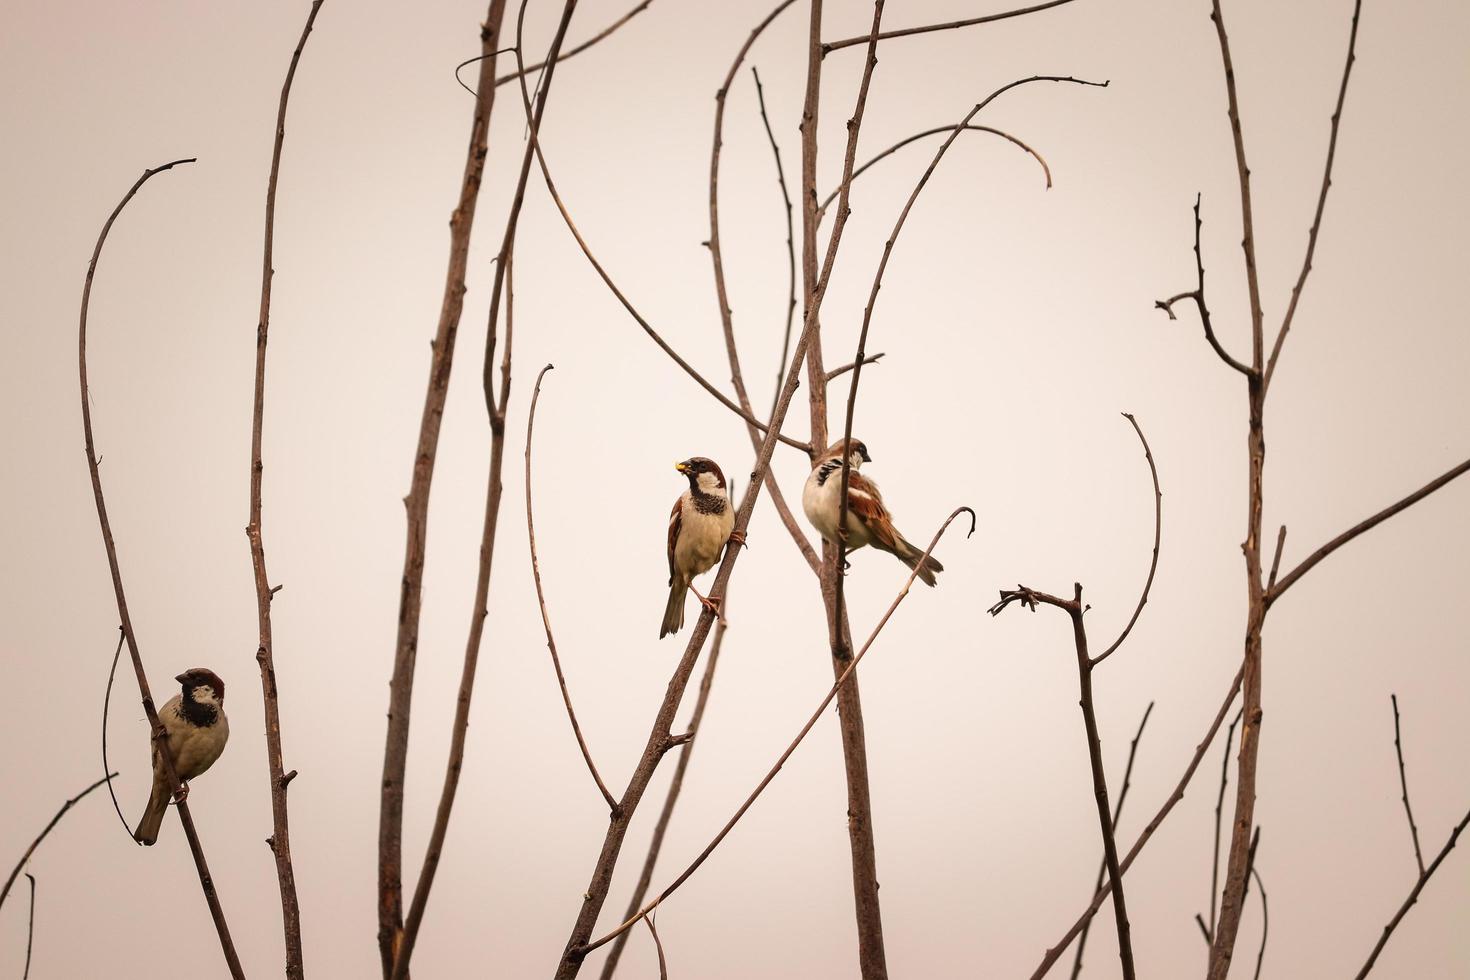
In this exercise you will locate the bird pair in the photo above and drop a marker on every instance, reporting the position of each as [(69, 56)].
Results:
[(703, 522)]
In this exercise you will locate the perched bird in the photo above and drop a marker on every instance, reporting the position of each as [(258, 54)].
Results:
[(197, 731), (868, 521), (701, 523)]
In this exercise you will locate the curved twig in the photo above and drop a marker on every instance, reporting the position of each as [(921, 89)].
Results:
[(1398, 748), (160, 740), (848, 42), (790, 749), (1413, 896), (1265, 921), (30, 926), (1367, 525), (280, 839), (1198, 295), (106, 769), (612, 804), (26, 856), (1055, 952), (1158, 532), (663, 966), (1301, 280), (578, 49), (1045, 169)]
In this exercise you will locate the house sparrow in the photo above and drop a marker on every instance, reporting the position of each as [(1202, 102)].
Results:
[(197, 731), (702, 521), (868, 521)]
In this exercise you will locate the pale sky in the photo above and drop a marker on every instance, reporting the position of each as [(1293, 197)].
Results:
[(1018, 323)]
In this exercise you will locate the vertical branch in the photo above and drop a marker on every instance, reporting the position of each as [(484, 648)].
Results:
[(1265, 921), (30, 927), (1219, 815), (1398, 748), (1117, 813), (280, 839), (400, 698), (160, 736), (108, 774), (760, 97)]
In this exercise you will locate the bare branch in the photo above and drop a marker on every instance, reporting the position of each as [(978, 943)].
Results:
[(1198, 295), (838, 372), (848, 42), (26, 855), (1045, 170), (760, 98), (676, 784), (1301, 281), (663, 966), (1366, 525), (1117, 814), (106, 768), (790, 749), (1265, 921), (280, 840), (206, 881), (1413, 896), (1055, 952), (1158, 532), (1209, 930), (612, 804), (578, 49), (30, 926), (1276, 558), (405, 656), (1398, 748)]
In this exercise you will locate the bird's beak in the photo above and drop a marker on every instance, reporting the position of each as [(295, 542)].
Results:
[(866, 457), (181, 677), (682, 467)]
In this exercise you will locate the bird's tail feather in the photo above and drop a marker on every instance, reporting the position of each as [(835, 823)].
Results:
[(148, 827), (674, 611), (911, 556)]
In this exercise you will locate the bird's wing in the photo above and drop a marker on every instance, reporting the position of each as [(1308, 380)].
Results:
[(675, 525), (865, 503)]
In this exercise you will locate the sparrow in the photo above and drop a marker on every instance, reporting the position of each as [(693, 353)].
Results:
[(197, 731), (868, 520), (702, 522)]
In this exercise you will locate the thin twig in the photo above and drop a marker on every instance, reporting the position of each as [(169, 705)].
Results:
[(1153, 565), (160, 735), (1276, 558), (795, 743), (280, 839), (760, 98), (106, 768), (935, 131), (663, 966), (848, 42), (1198, 295), (1265, 921), (26, 855), (1219, 817), (30, 926), (1413, 896), (1055, 952), (561, 681), (577, 49), (1117, 814), (676, 784), (838, 372), (405, 656), (1366, 525), (1301, 280), (1398, 748)]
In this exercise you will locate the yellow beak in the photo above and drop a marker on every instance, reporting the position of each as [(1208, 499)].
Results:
[(680, 467)]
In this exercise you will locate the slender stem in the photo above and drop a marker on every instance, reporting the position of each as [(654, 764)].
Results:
[(612, 804), (26, 855), (1198, 295), (280, 839), (395, 754), (1055, 952), (663, 965), (1413, 896), (848, 42), (1153, 565), (1311, 560), (1265, 921), (106, 707), (760, 98), (1398, 748), (1117, 814), (1219, 816), (811, 722), (577, 49), (160, 736)]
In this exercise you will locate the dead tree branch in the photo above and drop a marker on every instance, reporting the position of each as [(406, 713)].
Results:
[(578, 49), (791, 748), (30, 927), (1413, 896), (838, 372), (1198, 295), (106, 767), (26, 855), (280, 839), (1398, 748), (400, 699), (848, 42), (1055, 952), (1117, 814), (663, 965), (1265, 921), (760, 98), (1209, 932), (1153, 565), (160, 739), (612, 804), (1366, 525)]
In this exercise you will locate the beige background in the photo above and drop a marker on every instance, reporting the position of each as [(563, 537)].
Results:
[(1018, 323)]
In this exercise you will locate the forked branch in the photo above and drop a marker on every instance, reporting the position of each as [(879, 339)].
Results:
[(1198, 295), (26, 855)]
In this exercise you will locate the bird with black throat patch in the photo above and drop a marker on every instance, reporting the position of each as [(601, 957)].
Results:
[(868, 520), (702, 522), (197, 732)]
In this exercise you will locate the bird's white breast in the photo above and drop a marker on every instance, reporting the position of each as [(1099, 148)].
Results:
[(701, 536), (822, 504)]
